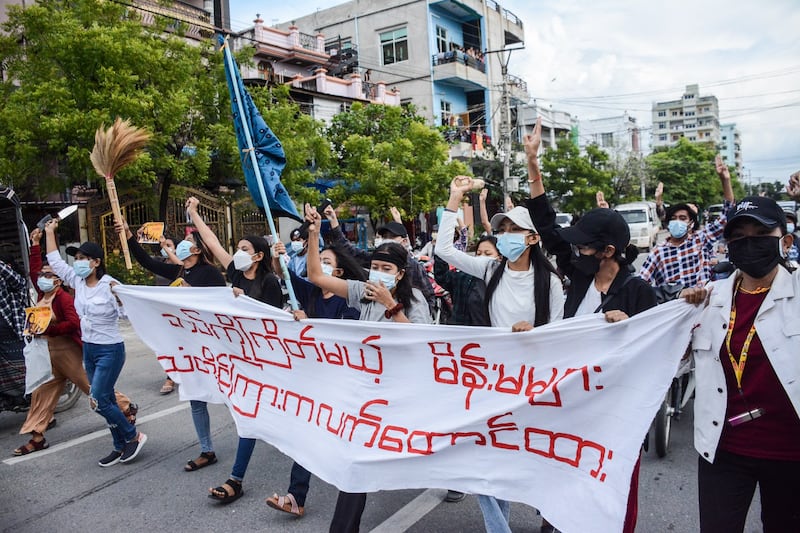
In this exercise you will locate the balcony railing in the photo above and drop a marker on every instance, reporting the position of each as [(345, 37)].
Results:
[(511, 17), (309, 42), (458, 57), (199, 20)]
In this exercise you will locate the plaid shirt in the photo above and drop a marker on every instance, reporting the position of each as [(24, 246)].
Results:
[(688, 262), (12, 299)]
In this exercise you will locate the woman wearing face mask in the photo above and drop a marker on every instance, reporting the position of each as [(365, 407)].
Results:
[(195, 270), (747, 405), (250, 272), (103, 346), (594, 254), (387, 296), (522, 290), (63, 336), (315, 303)]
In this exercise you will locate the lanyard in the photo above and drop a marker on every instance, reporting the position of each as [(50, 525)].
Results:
[(738, 366)]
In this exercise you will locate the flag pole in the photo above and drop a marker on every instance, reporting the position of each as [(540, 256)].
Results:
[(248, 138)]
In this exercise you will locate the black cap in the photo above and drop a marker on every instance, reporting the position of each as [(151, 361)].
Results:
[(671, 210), (763, 210), (599, 227), (395, 228), (391, 252), (89, 249)]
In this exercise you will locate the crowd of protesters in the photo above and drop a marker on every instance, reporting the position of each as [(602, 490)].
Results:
[(522, 272)]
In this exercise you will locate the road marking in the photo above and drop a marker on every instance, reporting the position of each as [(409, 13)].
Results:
[(92, 436), (412, 512)]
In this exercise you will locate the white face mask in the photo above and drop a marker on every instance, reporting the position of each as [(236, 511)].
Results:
[(242, 260), (378, 241), (388, 280), (327, 269), (297, 246)]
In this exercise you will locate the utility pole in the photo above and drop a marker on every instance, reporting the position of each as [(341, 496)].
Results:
[(505, 117)]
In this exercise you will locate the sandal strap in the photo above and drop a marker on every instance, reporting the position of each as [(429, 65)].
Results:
[(289, 498)]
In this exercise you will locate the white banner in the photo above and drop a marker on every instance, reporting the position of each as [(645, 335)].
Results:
[(553, 417)]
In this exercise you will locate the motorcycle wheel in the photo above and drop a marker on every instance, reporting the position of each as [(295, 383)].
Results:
[(662, 426), (68, 398)]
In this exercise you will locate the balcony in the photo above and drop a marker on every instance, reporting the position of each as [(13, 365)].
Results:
[(459, 69), (291, 46), (352, 87), (518, 90), (198, 20)]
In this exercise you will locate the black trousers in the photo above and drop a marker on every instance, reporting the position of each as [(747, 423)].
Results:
[(726, 491), (347, 515)]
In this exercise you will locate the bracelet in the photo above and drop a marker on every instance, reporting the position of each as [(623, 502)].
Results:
[(389, 313), (535, 180)]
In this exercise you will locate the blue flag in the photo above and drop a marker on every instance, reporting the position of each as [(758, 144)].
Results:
[(270, 159)]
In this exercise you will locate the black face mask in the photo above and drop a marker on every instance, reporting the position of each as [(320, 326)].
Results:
[(755, 256), (586, 264)]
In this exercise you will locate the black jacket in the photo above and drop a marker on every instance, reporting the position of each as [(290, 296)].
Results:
[(631, 297)]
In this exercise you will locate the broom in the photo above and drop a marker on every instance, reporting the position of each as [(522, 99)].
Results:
[(114, 149)]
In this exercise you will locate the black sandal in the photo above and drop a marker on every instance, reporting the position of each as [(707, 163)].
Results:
[(209, 459), (222, 495)]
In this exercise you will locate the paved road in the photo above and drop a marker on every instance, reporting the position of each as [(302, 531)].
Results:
[(63, 489)]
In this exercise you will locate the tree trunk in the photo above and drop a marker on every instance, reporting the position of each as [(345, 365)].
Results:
[(163, 199)]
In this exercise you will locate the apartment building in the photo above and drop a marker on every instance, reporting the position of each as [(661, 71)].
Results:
[(439, 55), (693, 117), (731, 146), (617, 135)]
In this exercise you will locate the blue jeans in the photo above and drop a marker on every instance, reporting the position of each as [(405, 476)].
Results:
[(103, 364), (202, 425), (495, 514), (243, 453), (298, 483)]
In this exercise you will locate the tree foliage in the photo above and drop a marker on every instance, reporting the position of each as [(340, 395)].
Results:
[(688, 174), (572, 180), (74, 64), (387, 156)]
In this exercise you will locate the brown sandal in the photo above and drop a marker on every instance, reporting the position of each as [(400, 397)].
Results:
[(205, 459), (287, 504), (31, 446)]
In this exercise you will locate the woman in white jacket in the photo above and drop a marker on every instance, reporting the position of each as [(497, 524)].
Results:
[(747, 357)]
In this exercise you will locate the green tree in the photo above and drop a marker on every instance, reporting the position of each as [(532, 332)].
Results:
[(74, 64), (387, 156), (688, 174), (572, 180)]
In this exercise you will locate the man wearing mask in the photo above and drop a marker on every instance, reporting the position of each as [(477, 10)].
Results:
[(297, 250), (684, 258)]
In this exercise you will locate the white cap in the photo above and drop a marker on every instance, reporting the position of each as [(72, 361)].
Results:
[(519, 216)]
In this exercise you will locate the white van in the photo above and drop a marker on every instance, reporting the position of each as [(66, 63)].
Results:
[(643, 222)]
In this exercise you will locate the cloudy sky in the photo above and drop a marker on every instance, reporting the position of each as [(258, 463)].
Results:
[(598, 58)]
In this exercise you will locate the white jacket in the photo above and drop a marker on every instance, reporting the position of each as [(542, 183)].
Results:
[(778, 328)]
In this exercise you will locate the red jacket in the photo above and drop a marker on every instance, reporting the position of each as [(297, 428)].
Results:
[(65, 319)]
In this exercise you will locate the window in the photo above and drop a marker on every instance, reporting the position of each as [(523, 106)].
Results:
[(446, 108), (690, 113), (724, 138), (395, 46), (662, 113), (662, 137), (674, 113), (662, 125), (692, 138), (441, 39), (607, 139)]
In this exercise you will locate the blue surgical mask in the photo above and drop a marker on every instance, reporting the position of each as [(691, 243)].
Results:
[(327, 269), (45, 284), (82, 268), (184, 249), (164, 253), (790, 227), (388, 280), (297, 246), (678, 228), (511, 245)]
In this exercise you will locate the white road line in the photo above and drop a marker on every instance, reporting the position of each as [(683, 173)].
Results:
[(412, 512), (92, 436)]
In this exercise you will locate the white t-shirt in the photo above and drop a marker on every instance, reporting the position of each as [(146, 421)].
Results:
[(512, 300), (591, 301)]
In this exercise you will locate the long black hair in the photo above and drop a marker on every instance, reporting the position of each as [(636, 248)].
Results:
[(264, 270), (350, 270), (205, 255), (542, 268)]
